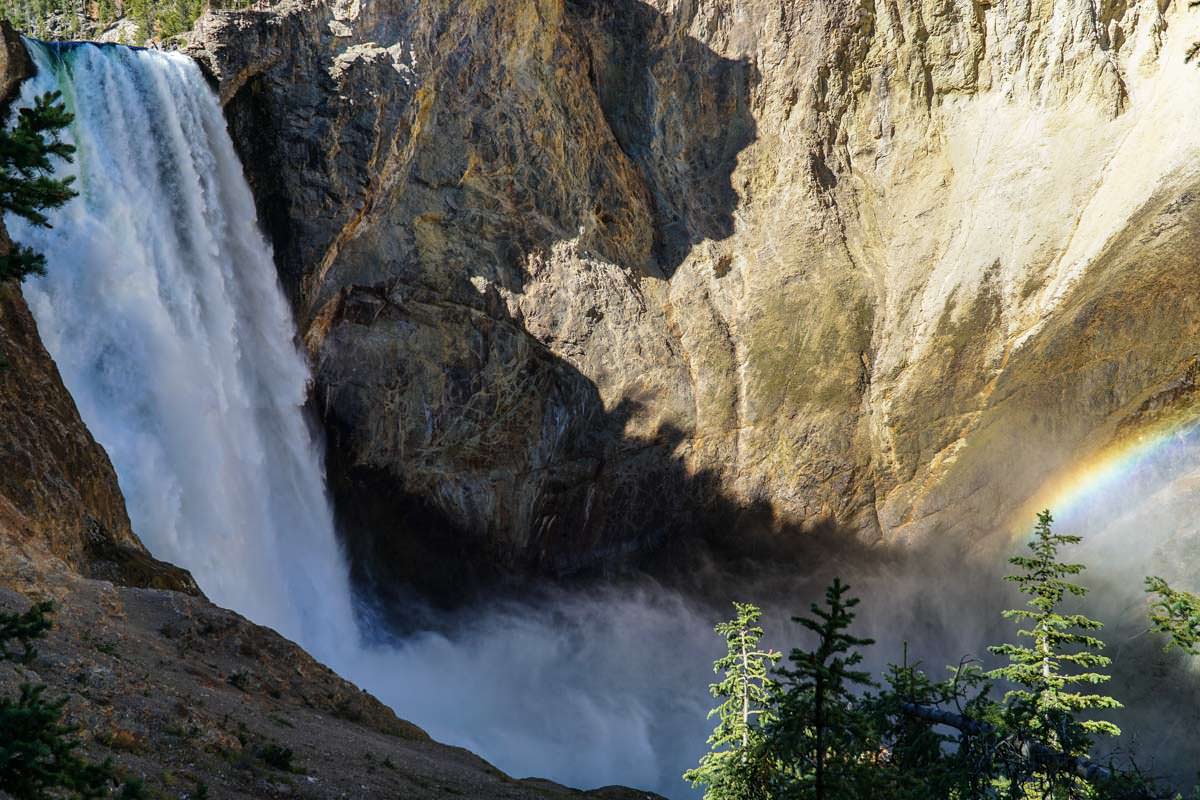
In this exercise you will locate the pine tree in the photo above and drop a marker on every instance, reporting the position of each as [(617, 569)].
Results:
[(921, 760), (1062, 654), (37, 751), (142, 12), (1175, 613), (25, 629), (820, 738), (27, 185), (733, 769)]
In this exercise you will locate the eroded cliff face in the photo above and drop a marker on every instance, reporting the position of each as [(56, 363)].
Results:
[(573, 272)]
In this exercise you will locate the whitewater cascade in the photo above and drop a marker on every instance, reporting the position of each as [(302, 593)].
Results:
[(163, 311)]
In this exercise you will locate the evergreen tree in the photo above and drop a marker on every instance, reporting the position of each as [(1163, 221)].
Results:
[(37, 751), (820, 738), (25, 629), (733, 768), (921, 759), (1176, 614), (1062, 654), (27, 185), (106, 12)]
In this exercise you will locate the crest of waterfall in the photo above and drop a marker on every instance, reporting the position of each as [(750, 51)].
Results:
[(163, 312)]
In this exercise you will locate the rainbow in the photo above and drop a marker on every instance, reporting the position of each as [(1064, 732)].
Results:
[(1131, 467)]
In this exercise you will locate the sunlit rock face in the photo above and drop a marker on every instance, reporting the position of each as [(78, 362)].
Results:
[(572, 272)]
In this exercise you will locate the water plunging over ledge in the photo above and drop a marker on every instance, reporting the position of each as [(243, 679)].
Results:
[(162, 309)]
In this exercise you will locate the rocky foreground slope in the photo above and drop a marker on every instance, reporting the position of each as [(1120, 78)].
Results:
[(194, 701), (573, 271)]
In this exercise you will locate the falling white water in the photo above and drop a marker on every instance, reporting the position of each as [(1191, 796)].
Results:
[(162, 309)]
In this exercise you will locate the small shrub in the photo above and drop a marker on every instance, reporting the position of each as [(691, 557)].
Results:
[(133, 789), (25, 628), (240, 680), (277, 757), (123, 740), (37, 751)]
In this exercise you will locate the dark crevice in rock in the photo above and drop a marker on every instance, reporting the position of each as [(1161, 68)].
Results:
[(255, 131), (685, 142)]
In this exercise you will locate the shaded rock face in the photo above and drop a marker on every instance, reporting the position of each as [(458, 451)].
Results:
[(568, 269), (461, 301)]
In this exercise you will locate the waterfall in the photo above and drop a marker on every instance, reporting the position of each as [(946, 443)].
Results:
[(162, 309)]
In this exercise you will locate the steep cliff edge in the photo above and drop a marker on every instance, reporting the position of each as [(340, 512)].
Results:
[(570, 270), (58, 494)]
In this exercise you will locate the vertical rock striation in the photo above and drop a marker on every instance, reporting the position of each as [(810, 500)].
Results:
[(569, 268)]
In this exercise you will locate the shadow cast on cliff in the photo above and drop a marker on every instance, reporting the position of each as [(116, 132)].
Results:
[(617, 509), (585, 628), (607, 505), (681, 114), (679, 111)]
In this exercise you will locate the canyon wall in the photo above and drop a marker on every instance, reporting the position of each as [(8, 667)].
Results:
[(578, 276)]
